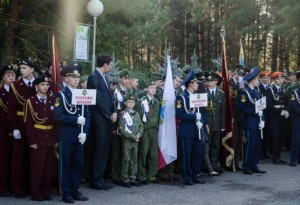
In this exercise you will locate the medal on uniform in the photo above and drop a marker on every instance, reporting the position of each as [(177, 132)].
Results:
[(243, 98), (57, 102), (178, 104)]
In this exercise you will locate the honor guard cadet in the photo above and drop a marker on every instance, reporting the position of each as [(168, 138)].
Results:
[(294, 108), (148, 146), (8, 76), (131, 130), (191, 122), (252, 122), (277, 102), (38, 118), (215, 118), (116, 146), (71, 139), (19, 92)]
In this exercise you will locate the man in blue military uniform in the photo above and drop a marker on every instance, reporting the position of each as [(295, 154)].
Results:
[(71, 138), (191, 121), (294, 108), (277, 102), (252, 122)]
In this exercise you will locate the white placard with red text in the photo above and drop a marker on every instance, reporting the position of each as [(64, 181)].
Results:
[(84, 97), (198, 100), (261, 104)]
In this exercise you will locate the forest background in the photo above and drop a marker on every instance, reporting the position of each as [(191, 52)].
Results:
[(137, 32)]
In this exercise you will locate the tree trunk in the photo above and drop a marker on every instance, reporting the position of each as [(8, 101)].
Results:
[(10, 32), (274, 53)]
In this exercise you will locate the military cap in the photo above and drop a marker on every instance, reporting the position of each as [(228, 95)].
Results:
[(180, 75), (200, 76), (133, 75), (252, 74), (149, 83), (83, 78), (41, 79), (6, 68), (210, 76), (124, 74), (71, 69), (129, 96), (276, 74), (290, 73), (189, 78), (156, 76), (26, 62), (265, 73)]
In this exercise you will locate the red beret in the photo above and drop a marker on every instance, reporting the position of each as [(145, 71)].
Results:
[(265, 73), (276, 75)]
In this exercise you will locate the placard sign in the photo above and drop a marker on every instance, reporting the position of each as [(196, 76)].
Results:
[(81, 42), (84, 97), (260, 104), (198, 100)]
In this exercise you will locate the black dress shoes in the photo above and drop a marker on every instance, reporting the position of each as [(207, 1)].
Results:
[(98, 186), (292, 164), (155, 181), (258, 171), (5, 194), (145, 182), (198, 181), (80, 198), (238, 169), (189, 183), (47, 198), (37, 199), (247, 171), (68, 200), (117, 182), (282, 161), (276, 161), (219, 170), (126, 184), (135, 183)]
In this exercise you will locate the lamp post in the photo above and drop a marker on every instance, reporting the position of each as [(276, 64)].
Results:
[(95, 9)]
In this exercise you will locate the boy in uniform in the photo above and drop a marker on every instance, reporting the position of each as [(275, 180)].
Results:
[(131, 129), (70, 120)]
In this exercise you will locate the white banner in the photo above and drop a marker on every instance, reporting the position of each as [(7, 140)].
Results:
[(83, 97), (198, 100), (261, 104), (81, 42)]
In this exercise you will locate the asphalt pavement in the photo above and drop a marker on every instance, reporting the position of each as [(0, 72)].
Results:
[(280, 185)]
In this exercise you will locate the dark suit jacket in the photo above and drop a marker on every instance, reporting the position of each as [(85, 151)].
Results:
[(105, 105)]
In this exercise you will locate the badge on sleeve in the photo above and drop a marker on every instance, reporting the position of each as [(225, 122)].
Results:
[(57, 102), (293, 97), (243, 98), (178, 104)]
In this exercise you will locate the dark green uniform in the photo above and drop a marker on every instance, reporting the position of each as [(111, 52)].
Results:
[(130, 133), (148, 145)]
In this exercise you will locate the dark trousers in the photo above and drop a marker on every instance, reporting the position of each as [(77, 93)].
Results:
[(266, 142), (295, 145), (101, 141), (252, 150), (214, 143), (238, 131), (41, 172), (191, 158), (116, 155), (71, 163), (5, 157), (19, 169), (277, 137)]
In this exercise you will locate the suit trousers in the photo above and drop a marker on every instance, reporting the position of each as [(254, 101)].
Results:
[(101, 141), (252, 150), (214, 147)]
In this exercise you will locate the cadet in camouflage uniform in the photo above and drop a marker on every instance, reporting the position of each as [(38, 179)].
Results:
[(116, 146), (148, 108), (132, 86), (131, 128), (157, 79)]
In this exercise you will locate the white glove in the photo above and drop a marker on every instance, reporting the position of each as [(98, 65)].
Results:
[(82, 138), (222, 130), (17, 134), (283, 113), (81, 120), (287, 114), (199, 125), (261, 124), (260, 113), (198, 116)]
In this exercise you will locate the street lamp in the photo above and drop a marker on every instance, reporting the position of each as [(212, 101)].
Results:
[(95, 9)]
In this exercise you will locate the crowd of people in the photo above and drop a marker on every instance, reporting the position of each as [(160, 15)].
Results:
[(117, 137)]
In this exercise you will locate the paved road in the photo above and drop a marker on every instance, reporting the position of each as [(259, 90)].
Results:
[(281, 185)]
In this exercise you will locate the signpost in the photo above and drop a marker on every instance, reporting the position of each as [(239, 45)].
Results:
[(260, 105)]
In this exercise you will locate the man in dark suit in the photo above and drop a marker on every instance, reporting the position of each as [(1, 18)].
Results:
[(103, 114)]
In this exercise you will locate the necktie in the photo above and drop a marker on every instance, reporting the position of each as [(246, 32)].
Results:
[(104, 77), (29, 84), (43, 100), (213, 93)]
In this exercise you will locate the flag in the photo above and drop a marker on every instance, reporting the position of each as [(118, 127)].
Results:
[(167, 142), (56, 80), (227, 136), (241, 56)]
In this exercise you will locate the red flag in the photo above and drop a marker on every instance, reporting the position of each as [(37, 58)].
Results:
[(56, 80), (227, 138)]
